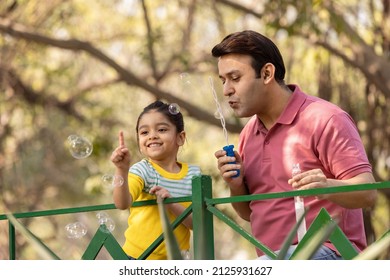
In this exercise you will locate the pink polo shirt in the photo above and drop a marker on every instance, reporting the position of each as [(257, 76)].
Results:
[(316, 134)]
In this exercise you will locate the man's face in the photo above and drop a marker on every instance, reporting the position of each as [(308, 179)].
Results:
[(241, 87)]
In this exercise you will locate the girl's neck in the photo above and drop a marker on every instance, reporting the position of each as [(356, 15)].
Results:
[(169, 166)]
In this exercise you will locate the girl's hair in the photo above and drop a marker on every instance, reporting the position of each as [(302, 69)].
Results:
[(260, 48), (175, 118)]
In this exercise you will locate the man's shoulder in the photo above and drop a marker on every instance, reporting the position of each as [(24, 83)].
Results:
[(321, 109)]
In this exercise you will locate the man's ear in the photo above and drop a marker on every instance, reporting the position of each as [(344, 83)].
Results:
[(268, 72)]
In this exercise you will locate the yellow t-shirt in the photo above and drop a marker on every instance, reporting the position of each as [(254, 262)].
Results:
[(144, 224)]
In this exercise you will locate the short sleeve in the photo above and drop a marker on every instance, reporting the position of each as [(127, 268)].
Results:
[(340, 148)]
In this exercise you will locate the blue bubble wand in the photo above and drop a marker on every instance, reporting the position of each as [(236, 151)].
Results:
[(228, 148)]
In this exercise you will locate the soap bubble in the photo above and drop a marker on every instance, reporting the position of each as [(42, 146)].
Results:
[(76, 230), (79, 147), (218, 115), (112, 181), (185, 78), (102, 215), (104, 219), (174, 109)]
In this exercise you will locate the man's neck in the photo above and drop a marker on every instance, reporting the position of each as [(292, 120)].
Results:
[(279, 98)]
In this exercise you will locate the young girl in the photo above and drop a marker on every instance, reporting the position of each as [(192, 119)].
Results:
[(160, 134)]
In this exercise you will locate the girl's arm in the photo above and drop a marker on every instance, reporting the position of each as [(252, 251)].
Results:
[(121, 195), (121, 159)]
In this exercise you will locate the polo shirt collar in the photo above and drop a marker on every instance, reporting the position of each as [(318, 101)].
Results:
[(289, 113), (293, 106)]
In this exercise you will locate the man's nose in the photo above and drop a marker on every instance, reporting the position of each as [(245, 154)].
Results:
[(228, 90)]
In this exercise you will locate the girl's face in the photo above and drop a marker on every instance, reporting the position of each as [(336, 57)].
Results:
[(158, 138)]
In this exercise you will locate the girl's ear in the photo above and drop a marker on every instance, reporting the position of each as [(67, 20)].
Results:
[(181, 138)]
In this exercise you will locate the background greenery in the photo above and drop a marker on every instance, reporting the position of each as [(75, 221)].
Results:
[(89, 67)]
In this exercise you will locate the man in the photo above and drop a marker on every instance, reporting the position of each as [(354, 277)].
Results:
[(288, 127)]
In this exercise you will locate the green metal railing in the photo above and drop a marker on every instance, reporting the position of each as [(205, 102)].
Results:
[(203, 209)]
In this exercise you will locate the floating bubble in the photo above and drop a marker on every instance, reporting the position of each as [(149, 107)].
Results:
[(102, 215), (174, 109), (185, 78), (79, 147), (104, 219), (112, 181), (217, 115), (76, 230)]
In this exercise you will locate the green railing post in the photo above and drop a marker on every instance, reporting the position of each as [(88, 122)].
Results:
[(11, 241), (202, 219)]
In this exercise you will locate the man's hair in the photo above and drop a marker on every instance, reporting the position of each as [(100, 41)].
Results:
[(260, 48)]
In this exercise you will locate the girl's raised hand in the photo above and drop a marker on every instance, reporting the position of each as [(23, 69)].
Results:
[(121, 155)]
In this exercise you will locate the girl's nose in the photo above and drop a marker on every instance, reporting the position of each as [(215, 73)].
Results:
[(152, 135)]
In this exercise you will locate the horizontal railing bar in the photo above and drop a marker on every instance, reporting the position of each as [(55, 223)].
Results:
[(312, 192), (62, 211), (72, 210), (166, 201)]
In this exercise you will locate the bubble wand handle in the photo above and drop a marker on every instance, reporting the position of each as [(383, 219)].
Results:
[(299, 206), (230, 153), (228, 148)]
